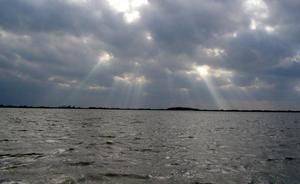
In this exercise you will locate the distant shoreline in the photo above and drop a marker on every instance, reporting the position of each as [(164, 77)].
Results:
[(147, 109)]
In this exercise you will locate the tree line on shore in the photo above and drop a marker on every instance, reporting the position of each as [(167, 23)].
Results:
[(161, 109)]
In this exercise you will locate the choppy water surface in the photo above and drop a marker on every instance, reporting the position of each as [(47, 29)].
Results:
[(96, 146)]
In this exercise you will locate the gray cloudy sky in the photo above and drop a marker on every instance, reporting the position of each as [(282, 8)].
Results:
[(232, 54)]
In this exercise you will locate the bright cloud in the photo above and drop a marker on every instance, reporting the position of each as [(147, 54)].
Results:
[(131, 79), (105, 57), (129, 8)]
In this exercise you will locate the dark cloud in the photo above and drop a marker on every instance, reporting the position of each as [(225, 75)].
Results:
[(207, 54)]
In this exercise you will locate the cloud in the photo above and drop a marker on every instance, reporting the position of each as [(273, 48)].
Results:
[(206, 54)]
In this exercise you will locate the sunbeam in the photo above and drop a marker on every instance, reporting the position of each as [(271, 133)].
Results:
[(204, 72), (104, 58), (131, 86)]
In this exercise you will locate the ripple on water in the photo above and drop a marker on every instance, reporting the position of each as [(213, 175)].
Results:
[(13, 161), (37, 155), (107, 136), (103, 176), (121, 147), (13, 182), (51, 141), (82, 163), (137, 122), (146, 150), (63, 180), (7, 140)]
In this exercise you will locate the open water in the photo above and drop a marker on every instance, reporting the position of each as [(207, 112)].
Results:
[(101, 146)]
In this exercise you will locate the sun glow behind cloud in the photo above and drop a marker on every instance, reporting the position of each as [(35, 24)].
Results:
[(129, 8), (258, 12), (104, 58), (257, 9), (148, 36), (203, 70), (270, 29)]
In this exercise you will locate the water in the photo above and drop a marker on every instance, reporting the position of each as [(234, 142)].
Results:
[(101, 146)]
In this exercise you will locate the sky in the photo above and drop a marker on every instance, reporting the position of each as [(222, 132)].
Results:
[(214, 54)]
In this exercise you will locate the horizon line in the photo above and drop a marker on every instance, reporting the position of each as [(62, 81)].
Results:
[(176, 108)]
